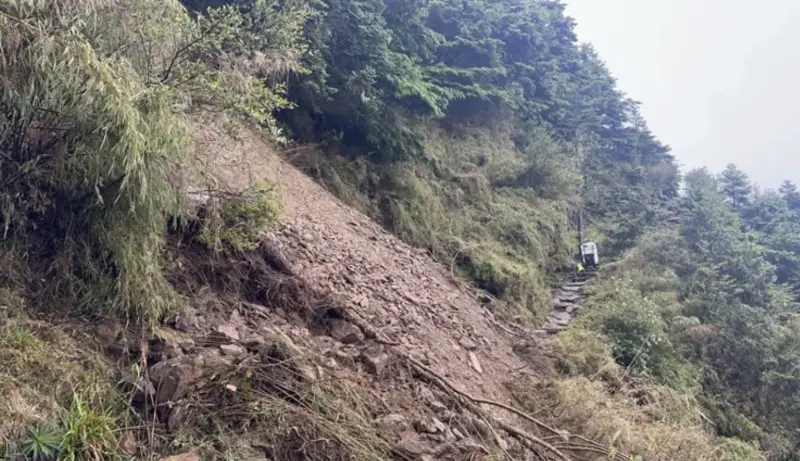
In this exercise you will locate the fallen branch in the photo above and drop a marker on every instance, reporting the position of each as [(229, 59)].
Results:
[(473, 406)]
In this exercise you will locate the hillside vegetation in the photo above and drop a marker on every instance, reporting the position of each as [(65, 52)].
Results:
[(477, 130)]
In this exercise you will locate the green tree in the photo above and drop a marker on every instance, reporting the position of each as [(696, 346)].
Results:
[(788, 191), (735, 186)]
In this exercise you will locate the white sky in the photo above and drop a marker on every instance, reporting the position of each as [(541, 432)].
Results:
[(719, 80)]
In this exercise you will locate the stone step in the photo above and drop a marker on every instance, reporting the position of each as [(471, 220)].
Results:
[(559, 304), (572, 287), (565, 296)]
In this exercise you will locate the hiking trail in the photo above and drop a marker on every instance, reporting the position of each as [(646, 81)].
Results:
[(568, 299), (443, 374)]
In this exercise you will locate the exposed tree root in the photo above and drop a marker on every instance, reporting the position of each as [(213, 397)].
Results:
[(473, 406), (583, 445)]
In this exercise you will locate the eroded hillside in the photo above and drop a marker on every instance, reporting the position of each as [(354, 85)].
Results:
[(173, 287)]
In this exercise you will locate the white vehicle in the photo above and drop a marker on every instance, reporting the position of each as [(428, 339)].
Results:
[(589, 255)]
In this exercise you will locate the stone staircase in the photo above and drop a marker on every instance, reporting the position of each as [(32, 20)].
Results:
[(568, 299)]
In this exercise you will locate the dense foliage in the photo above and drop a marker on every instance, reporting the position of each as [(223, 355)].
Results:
[(436, 116), (714, 296), (93, 105), (474, 129)]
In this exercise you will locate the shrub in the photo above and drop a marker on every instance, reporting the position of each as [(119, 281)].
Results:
[(236, 223), (92, 132)]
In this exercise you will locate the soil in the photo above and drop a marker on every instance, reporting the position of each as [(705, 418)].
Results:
[(386, 304)]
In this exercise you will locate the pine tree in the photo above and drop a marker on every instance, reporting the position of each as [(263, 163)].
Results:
[(788, 191), (735, 186)]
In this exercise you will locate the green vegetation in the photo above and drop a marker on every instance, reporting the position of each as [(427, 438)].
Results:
[(236, 222), (707, 307), (92, 141), (472, 129), (59, 402), (477, 129), (95, 97)]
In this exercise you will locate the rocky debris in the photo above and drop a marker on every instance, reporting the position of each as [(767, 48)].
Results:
[(411, 446), (345, 332), (409, 300), (127, 443), (474, 363), (375, 361), (230, 331), (172, 378), (188, 456), (467, 343), (170, 343), (233, 350), (431, 426), (393, 422)]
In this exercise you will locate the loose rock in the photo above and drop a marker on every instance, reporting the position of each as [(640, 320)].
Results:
[(410, 445), (375, 361), (473, 361), (229, 331), (233, 350), (188, 456), (467, 343), (393, 422), (345, 332)]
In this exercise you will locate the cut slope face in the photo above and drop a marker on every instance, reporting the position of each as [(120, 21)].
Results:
[(400, 323), (398, 290)]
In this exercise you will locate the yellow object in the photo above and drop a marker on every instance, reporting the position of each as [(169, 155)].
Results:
[(580, 267)]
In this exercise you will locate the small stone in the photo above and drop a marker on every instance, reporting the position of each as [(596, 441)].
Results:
[(345, 332), (175, 341), (344, 358), (375, 362), (410, 445), (425, 426), (393, 422), (431, 426), (233, 350), (254, 341), (473, 361), (229, 331), (467, 343), (127, 443), (176, 418), (188, 456), (438, 406), (439, 425)]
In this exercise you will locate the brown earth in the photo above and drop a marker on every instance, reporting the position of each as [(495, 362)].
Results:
[(435, 364)]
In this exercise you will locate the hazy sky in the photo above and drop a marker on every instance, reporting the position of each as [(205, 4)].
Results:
[(719, 80)]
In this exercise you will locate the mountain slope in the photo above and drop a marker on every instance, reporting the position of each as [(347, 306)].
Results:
[(411, 311)]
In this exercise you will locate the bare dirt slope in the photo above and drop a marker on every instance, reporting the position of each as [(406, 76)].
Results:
[(399, 290), (394, 306)]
